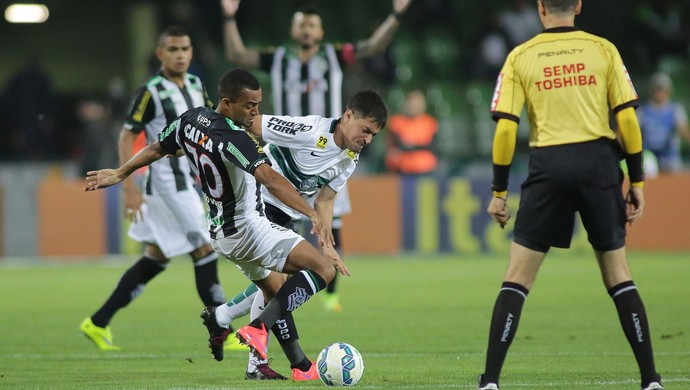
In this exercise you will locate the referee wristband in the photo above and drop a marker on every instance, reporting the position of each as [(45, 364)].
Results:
[(635, 170), (500, 194), (397, 15), (501, 173), (229, 18)]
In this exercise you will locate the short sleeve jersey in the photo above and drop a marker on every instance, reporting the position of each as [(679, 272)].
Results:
[(302, 149), (568, 81), (311, 88), (225, 158), (152, 108)]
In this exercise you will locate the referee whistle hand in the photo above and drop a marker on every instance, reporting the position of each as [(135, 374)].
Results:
[(498, 209), (634, 204)]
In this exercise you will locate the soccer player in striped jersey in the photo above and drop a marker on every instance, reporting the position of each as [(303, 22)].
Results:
[(569, 81), (231, 166), (167, 214)]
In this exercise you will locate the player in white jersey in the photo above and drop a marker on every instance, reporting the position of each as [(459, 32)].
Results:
[(231, 164), (317, 155), (169, 216)]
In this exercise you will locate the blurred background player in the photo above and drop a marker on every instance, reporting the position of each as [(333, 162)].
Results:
[(410, 138), (167, 214), (307, 78), (663, 122)]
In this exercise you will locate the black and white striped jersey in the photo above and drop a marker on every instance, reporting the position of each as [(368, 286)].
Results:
[(224, 157), (153, 107), (311, 88)]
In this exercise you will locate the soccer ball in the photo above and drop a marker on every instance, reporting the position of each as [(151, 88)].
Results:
[(340, 364)]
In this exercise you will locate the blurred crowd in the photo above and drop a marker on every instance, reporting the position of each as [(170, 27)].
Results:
[(445, 51)]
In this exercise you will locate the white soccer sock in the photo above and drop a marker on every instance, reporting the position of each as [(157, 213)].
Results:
[(241, 308), (257, 308), (223, 316)]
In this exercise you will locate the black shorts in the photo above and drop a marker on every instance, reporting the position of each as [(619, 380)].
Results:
[(564, 179)]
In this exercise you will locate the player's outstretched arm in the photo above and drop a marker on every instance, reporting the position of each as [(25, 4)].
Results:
[(324, 206), (235, 50), (107, 177), (383, 35)]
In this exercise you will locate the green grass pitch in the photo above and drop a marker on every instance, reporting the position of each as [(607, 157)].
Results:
[(420, 323)]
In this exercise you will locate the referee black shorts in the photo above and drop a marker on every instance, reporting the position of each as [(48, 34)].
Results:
[(565, 179)]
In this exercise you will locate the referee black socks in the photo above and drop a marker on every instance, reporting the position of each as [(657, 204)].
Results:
[(633, 318), (504, 323)]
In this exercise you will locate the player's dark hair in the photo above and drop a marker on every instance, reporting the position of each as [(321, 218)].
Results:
[(368, 104), (172, 31), (234, 81), (309, 9), (560, 6)]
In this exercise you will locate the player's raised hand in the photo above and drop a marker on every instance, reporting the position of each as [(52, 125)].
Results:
[(101, 179), (230, 7), (498, 209), (399, 6)]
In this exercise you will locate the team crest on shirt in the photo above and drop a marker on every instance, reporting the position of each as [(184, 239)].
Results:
[(627, 76), (497, 92), (321, 143), (309, 184)]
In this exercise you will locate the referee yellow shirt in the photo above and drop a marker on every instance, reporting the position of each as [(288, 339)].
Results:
[(568, 80)]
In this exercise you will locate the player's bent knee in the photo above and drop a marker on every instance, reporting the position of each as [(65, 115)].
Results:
[(325, 269)]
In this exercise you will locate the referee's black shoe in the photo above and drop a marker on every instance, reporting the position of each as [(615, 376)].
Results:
[(486, 386), (656, 385)]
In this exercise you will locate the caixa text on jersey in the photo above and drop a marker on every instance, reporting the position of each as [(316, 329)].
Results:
[(195, 135)]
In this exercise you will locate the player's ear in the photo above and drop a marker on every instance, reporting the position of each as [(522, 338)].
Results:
[(159, 53), (224, 106)]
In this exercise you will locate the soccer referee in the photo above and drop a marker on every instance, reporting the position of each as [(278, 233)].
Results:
[(568, 81)]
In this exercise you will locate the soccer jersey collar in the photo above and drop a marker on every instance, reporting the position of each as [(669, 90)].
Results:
[(334, 124), (561, 29)]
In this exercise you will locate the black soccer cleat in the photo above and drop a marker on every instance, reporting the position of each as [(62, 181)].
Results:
[(216, 333), (264, 372)]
